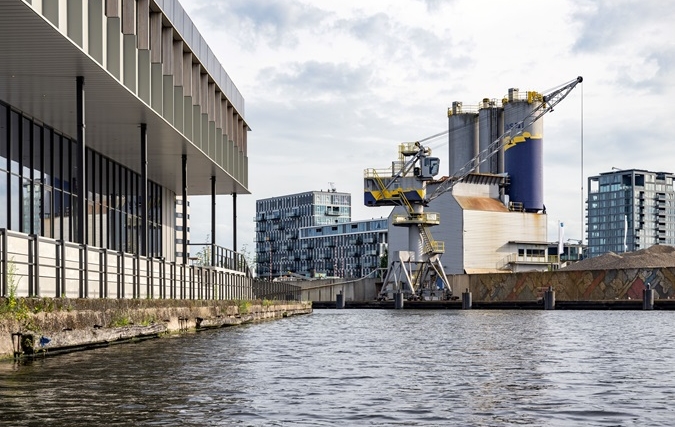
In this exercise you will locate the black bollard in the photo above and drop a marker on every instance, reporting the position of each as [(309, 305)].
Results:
[(398, 300), (648, 297), (340, 301), (549, 299), (466, 299)]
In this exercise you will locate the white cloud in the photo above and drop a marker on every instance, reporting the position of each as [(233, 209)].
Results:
[(331, 88)]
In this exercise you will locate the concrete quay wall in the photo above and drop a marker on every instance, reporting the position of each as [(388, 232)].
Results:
[(53, 325), (590, 285)]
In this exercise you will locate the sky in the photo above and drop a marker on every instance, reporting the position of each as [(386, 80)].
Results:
[(332, 87)]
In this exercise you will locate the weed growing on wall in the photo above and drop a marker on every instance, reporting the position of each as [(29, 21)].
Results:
[(120, 320), (14, 307), (244, 306)]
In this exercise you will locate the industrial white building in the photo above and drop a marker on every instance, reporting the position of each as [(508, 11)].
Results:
[(480, 233)]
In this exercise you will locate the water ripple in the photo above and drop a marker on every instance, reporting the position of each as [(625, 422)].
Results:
[(375, 368)]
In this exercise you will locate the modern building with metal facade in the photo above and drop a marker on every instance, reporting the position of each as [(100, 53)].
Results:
[(109, 110), (481, 234), (311, 234), (628, 210), (349, 250)]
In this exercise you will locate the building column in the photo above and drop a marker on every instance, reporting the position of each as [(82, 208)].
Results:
[(185, 245), (234, 222), (213, 221), (81, 212), (143, 249)]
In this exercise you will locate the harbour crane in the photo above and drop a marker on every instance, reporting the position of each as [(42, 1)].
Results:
[(418, 272)]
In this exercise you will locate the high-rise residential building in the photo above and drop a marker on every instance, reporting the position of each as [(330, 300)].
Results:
[(311, 234), (628, 210)]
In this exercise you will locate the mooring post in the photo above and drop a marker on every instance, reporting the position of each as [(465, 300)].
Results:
[(648, 297), (340, 301), (466, 299), (398, 300), (549, 299), (16, 344)]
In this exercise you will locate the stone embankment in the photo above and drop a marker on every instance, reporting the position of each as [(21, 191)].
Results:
[(44, 326)]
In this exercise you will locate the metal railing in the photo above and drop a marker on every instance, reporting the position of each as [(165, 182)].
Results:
[(34, 266), (276, 291), (212, 255)]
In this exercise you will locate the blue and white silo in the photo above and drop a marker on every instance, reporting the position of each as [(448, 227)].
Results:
[(524, 153)]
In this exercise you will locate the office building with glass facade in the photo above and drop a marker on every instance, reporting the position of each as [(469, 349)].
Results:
[(311, 234), (108, 110), (628, 210)]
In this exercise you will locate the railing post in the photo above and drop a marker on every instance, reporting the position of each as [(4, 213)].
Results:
[(37, 265), (173, 280), (149, 278), (85, 271), (103, 273), (136, 285), (57, 270), (162, 280), (31, 263), (120, 275), (191, 281), (182, 281), (64, 290), (3, 263)]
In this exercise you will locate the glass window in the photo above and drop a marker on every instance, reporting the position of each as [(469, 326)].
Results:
[(37, 152), (26, 147), (47, 229), (90, 169), (27, 204), (14, 196), (57, 149), (4, 138), (65, 170), (47, 159), (3, 200), (14, 141)]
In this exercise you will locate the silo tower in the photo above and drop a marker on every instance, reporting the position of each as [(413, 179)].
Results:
[(462, 139), (524, 153), (491, 127)]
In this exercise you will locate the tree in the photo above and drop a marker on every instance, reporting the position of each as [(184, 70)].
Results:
[(384, 263), (204, 254), (250, 258)]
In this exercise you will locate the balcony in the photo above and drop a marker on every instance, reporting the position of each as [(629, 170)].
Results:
[(332, 211)]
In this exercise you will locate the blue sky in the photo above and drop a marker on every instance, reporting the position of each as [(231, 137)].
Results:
[(331, 88)]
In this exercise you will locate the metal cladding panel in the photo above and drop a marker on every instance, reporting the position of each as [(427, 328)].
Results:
[(524, 159), (462, 140), (487, 236), (490, 128)]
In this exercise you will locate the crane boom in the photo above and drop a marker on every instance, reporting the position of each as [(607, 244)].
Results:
[(548, 101)]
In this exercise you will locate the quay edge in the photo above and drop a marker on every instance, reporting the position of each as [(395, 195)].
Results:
[(48, 326)]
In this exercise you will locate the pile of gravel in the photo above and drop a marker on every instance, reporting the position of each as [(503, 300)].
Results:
[(652, 257)]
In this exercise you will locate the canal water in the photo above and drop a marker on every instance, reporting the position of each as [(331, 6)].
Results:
[(367, 367)]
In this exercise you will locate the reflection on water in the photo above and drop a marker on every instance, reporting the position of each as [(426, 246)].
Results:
[(367, 367)]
